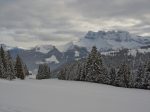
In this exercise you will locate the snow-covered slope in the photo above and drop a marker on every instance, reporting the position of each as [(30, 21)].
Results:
[(52, 59), (133, 52), (65, 47), (112, 40), (69, 96), (43, 48)]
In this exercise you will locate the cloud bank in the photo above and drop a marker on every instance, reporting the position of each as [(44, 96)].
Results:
[(26, 23)]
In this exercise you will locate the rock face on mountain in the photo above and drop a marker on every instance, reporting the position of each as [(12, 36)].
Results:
[(55, 58), (112, 40), (58, 56)]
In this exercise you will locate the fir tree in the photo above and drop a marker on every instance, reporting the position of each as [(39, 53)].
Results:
[(10, 72), (26, 70), (62, 74), (3, 56), (147, 76), (2, 70), (93, 66), (139, 79), (43, 72), (123, 76), (82, 71), (19, 67), (112, 75)]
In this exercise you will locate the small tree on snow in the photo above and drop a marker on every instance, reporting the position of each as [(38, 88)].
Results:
[(123, 76), (43, 72), (19, 67), (10, 72), (2, 70), (139, 79), (112, 75)]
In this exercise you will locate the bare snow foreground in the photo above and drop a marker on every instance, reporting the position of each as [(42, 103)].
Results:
[(69, 96)]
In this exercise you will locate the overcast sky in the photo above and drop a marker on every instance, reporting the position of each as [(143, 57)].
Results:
[(26, 23)]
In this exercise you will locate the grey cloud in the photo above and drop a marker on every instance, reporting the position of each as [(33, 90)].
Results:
[(66, 20)]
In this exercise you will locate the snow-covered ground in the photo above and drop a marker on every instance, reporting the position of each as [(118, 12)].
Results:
[(69, 96)]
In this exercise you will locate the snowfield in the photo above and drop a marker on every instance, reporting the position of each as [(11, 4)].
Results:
[(69, 96)]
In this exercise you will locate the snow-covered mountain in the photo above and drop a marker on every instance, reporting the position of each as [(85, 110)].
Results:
[(56, 56), (43, 48), (112, 40)]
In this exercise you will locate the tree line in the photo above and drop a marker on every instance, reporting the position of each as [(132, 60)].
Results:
[(10, 69), (92, 69)]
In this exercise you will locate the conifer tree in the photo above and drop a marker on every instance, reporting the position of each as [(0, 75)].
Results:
[(19, 67), (123, 76), (10, 72), (2, 70), (139, 79), (26, 70), (112, 75), (62, 74), (43, 72), (83, 71), (93, 65), (3, 56), (147, 76)]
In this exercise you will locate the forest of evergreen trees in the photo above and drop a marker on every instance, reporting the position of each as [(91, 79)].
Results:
[(10, 69), (93, 69), (130, 73)]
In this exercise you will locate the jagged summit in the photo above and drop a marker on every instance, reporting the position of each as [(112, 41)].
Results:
[(113, 40)]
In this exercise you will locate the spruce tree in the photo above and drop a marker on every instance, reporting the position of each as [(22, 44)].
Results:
[(3, 56), (93, 66), (62, 74), (147, 76), (19, 67), (2, 70), (112, 75), (10, 72), (139, 79), (83, 71), (26, 70), (123, 76), (43, 72)]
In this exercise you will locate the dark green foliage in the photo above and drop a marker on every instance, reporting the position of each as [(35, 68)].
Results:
[(94, 67), (6, 65), (123, 76), (112, 76), (19, 67), (43, 72), (3, 56), (26, 70)]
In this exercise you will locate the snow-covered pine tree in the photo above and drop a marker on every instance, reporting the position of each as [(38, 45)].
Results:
[(93, 66), (82, 71), (26, 70), (2, 70), (43, 72), (62, 74), (3, 56), (139, 78), (10, 72), (75, 71), (47, 71), (112, 75), (19, 67), (123, 76), (40, 72), (147, 76), (103, 76)]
